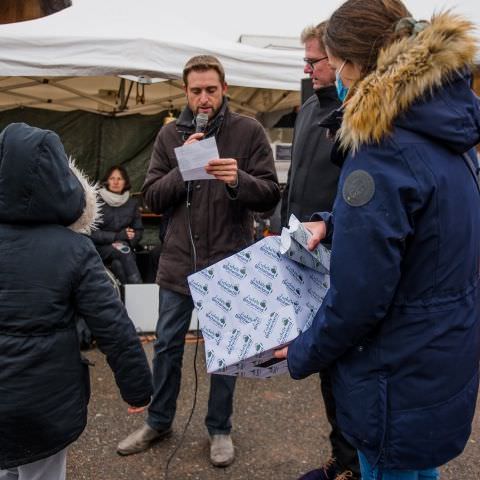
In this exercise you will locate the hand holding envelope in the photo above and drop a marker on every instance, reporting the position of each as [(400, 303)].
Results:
[(223, 169), (193, 157), (199, 160)]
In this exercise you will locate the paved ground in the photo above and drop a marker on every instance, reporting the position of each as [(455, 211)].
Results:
[(280, 431)]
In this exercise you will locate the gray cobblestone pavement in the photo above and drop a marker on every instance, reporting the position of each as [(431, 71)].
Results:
[(280, 431)]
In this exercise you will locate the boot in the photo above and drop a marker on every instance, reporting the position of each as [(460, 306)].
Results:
[(222, 452), (325, 472), (141, 440)]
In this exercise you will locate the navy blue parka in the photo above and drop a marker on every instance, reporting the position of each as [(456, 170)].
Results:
[(400, 325), (49, 274)]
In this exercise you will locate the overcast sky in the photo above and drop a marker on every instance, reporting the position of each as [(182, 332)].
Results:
[(229, 19)]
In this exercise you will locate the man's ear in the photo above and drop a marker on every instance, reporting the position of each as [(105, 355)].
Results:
[(225, 88)]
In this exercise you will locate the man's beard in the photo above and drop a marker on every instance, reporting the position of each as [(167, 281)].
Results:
[(211, 114)]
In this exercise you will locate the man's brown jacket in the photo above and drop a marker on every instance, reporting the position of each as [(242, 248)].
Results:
[(219, 220)]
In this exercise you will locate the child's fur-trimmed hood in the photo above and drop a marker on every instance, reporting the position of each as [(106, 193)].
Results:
[(406, 70), (91, 215)]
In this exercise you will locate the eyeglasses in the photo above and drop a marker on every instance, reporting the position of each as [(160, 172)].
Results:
[(312, 63)]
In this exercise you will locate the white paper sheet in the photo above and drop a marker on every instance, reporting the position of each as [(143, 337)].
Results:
[(193, 158)]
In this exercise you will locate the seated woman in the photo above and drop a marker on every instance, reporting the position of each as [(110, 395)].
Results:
[(121, 227)]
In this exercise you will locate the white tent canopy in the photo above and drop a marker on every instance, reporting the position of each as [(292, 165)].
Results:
[(72, 60)]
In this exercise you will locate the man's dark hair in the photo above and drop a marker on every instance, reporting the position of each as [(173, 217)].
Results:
[(202, 63)]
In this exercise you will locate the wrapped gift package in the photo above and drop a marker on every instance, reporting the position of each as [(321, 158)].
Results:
[(254, 302)]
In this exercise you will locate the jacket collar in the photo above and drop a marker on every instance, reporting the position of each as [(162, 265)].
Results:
[(186, 121), (406, 70), (326, 93)]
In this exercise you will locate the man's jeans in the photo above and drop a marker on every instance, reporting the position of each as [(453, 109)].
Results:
[(175, 311), (369, 474)]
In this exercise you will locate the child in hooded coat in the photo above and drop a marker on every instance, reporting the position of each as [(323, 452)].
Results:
[(50, 273)]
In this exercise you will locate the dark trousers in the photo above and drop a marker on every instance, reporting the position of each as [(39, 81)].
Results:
[(175, 311), (123, 265), (345, 455)]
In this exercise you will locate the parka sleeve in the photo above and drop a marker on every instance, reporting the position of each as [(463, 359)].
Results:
[(164, 186), (103, 237), (113, 330), (100, 236), (367, 251), (258, 187)]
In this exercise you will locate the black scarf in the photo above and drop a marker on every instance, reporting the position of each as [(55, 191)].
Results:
[(186, 121), (332, 123)]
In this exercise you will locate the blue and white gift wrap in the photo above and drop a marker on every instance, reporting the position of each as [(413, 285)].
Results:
[(294, 245), (251, 303)]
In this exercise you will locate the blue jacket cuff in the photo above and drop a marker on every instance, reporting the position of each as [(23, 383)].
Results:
[(327, 217)]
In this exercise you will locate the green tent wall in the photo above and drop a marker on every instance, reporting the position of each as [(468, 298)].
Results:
[(95, 141)]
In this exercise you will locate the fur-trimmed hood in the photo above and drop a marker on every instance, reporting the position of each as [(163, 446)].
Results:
[(39, 185), (91, 214), (408, 74)]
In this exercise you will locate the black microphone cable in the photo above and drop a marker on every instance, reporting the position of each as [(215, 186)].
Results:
[(197, 342)]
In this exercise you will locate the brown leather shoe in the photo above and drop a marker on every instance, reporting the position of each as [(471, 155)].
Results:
[(328, 471), (141, 439)]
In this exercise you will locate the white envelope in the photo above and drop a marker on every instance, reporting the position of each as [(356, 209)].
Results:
[(193, 158)]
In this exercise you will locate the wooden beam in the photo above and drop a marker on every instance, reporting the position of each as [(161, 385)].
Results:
[(75, 91), (63, 102), (280, 99), (9, 88), (241, 107), (154, 103)]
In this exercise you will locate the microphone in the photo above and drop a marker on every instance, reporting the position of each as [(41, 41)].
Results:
[(201, 121)]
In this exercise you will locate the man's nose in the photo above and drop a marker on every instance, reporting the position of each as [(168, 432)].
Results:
[(307, 69), (203, 97)]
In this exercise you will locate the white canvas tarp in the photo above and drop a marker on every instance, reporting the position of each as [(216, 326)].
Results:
[(83, 49)]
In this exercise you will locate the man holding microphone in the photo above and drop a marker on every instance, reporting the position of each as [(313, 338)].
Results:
[(210, 220)]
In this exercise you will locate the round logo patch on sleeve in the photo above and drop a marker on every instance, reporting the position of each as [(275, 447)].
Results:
[(358, 188)]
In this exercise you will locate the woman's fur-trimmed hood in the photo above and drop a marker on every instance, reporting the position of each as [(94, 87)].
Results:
[(407, 70)]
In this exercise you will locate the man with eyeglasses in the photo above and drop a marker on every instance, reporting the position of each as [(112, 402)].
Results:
[(312, 178), (311, 187)]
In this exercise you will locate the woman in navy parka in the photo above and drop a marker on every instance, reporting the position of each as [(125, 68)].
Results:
[(49, 273), (400, 325)]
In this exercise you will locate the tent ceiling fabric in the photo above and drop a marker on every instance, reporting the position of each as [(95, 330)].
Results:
[(114, 96), (73, 59)]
